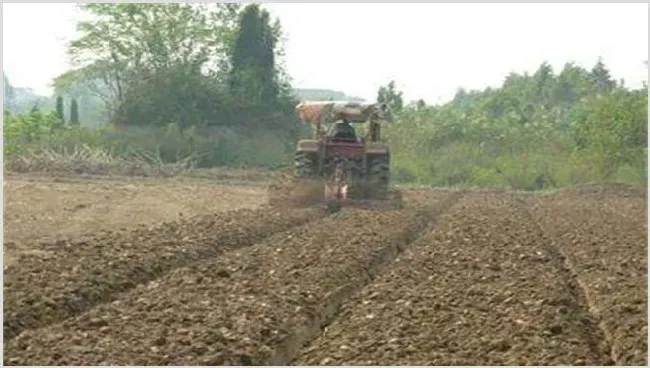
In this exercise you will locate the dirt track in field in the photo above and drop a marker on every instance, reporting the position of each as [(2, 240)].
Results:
[(456, 277)]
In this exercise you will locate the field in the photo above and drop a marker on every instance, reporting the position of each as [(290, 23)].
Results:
[(196, 271)]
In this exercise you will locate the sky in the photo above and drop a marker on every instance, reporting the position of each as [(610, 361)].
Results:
[(430, 50)]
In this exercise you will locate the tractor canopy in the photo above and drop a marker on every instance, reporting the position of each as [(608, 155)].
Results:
[(327, 112)]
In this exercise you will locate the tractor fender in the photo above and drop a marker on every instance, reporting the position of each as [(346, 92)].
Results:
[(308, 145), (377, 148)]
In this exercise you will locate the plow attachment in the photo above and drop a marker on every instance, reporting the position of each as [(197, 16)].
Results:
[(341, 190), (389, 202), (335, 192)]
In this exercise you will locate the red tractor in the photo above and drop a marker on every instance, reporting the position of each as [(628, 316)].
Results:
[(355, 169)]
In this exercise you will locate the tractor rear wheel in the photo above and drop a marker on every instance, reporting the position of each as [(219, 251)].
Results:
[(379, 175), (304, 165)]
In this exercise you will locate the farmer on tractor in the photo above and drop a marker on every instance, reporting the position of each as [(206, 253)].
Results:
[(355, 169), (342, 129)]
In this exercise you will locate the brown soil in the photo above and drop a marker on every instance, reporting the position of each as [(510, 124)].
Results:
[(487, 277), (605, 241), (66, 277), (252, 305), (38, 208), (482, 289)]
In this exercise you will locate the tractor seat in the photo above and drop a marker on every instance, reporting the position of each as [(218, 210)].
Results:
[(345, 136)]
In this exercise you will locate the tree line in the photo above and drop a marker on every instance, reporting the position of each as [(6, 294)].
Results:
[(209, 81), (540, 130)]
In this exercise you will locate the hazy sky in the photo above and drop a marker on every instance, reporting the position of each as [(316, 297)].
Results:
[(428, 49)]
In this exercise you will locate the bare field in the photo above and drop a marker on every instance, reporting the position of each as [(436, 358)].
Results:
[(41, 209), (109, 272)]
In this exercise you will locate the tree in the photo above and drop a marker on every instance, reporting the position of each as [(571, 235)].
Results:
[(390, 96), (613, 129), (544, 83), (189, 65), (253, 77), (572, 83), (125, 46), (74, 113), (59, 109), (601, 78), (9, 93), (534, 131)]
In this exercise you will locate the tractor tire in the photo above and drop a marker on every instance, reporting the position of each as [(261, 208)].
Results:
[(304, 165), (379, 175)]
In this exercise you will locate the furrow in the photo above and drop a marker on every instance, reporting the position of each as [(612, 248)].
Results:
[(253, 305), (66, 278), (481, 289)]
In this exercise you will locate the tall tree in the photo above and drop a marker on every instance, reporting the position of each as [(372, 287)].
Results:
[(253, 77), (74, 112), (601, 78), (59, 109), (544, 82), (391, 96), (572, 82)]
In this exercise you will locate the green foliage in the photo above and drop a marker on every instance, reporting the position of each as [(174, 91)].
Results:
[(9, 94), (59, 109), (390, 96), (207, 83), (203, 147), (22, 130), (74, 113), (206, 66), (164, 74), (601, 78), (612, 130), (253, 75), (125, 46), (536, 131)]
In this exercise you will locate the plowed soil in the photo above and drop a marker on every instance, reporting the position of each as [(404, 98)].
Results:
[(66, 278), (483, 288), (472, 278), (605, 241)]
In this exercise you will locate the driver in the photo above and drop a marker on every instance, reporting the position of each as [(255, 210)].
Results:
[(343, 129)]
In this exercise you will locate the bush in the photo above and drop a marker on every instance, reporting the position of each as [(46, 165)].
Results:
[(36, 142)]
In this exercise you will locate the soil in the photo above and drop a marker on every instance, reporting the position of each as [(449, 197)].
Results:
[(605, 241), (67, 277), (470, 278), (41, 209), (483, 288)]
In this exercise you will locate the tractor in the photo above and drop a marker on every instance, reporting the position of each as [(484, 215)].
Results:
[(355, 169)]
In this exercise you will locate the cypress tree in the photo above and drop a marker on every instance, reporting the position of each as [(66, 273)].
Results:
[(59, 109), (74, 113), (253, 72)]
